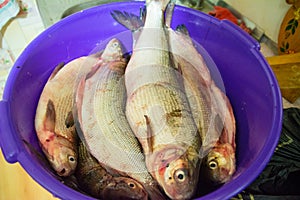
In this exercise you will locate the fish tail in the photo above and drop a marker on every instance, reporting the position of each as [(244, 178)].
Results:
[(129, 20), (163, 3), (154, 192), (182, 29)]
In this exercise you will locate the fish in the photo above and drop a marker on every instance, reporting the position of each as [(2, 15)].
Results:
[(96, 181), (157, 108), (211, 108), (100, 104), (220, 162), (54, 122)]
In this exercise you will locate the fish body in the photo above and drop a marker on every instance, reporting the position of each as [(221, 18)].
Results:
[(98, 182), (157, 108), (210, 107), (220, 162), (211, 110), (54, 122), (100, 103)]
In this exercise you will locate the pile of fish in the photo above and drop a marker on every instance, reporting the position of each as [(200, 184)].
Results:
[(150, 126)]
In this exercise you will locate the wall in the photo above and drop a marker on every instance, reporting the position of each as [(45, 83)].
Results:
[(267, 14)]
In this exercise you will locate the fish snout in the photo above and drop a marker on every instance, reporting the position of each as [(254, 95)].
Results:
[(65, 161), (67, 167), (180, 180)]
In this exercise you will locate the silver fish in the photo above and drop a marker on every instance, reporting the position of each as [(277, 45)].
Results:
[(100, 103), (211, 108), (157, 108), (54, 122)]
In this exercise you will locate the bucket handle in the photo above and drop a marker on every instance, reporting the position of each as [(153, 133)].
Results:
[(8, 144)]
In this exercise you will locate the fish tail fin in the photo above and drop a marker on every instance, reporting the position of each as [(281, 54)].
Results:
[(164, 3), (154, 192), (129, 20), (182, 29)]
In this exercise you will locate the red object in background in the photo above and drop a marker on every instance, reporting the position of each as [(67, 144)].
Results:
[(223, 13)]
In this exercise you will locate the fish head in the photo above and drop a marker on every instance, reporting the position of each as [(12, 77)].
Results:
[(124, 188), (177, 174), (62, 156), (113, 51), (220, 164)]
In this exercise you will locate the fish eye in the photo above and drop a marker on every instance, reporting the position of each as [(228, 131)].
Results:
[(180, 175), (115, 44), (132, 185), (71, 159), (213, 164)]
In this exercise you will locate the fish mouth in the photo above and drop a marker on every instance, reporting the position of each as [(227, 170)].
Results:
[(64, 158), (179, 179), (175, 172)]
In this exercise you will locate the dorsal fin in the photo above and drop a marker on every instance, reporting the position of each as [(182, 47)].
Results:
[(56, 70)]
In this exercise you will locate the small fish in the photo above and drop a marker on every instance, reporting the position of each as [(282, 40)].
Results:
[(157, 108), (100, 103), (211, 108), (54, 123), (220, 162), (99, 183)]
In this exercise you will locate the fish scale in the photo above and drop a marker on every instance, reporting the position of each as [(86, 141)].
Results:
[(54, 109), (126, 149), (154, 96), (100, 103), (166, 105)]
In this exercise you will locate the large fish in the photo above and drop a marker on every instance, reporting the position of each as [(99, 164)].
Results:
[(54, 122), (98, 182), (100, 104), (157, 108), (210, 107)]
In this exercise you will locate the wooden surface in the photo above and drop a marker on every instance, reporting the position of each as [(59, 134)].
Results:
[(16, 184), (287, 71)]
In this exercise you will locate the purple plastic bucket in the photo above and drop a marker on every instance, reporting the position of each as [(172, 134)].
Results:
[(248, 79)]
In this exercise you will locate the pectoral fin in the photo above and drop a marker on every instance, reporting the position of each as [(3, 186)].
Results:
[(49, 122), (149, 134)]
